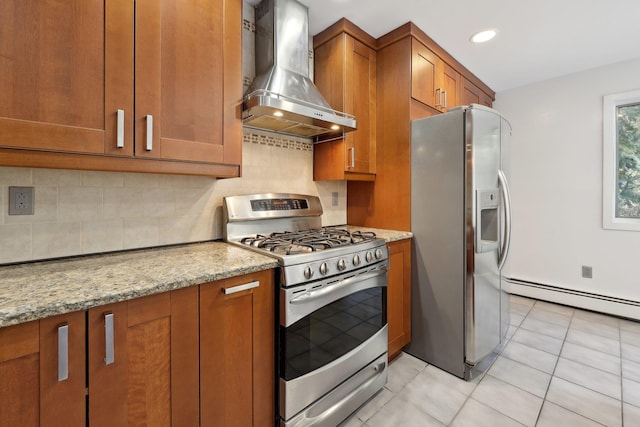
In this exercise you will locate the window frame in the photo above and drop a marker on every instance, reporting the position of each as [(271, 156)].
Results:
[(610, 161)]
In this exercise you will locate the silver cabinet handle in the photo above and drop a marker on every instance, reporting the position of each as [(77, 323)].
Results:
[(63, 352), (439, 101), (149, 145), (120, 129), (352, 157), (445, 98), (109, 355), (239, 288)]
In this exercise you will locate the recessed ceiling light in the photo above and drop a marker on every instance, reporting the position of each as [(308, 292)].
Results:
[(335, 127), (278, 114), (483, 36)]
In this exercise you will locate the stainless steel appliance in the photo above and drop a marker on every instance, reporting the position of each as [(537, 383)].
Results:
[(332, 351), (282, 98), (461, 221)]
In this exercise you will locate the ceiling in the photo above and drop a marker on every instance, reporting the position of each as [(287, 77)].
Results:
[(537, 39)]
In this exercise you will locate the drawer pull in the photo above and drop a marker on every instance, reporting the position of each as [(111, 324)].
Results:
[(63, 352), (109, 355), (239, 288)]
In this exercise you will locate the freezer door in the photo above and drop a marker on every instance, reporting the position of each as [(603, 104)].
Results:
[(483, 295)]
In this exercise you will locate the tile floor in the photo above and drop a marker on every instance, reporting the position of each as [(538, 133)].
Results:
[(560, 367)]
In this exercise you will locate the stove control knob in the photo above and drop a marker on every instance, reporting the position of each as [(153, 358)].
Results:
[(308, 273), (342, 265), (378, 253), (356, 260), (368, 256), (323, 268)]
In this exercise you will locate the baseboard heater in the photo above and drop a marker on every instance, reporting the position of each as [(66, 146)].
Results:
[(574, 298)]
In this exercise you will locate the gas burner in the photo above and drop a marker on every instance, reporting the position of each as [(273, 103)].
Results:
[(304, 241)]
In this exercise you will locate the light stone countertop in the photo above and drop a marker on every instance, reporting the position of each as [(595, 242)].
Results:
[(388, 235), (38, 290), (41, 289)]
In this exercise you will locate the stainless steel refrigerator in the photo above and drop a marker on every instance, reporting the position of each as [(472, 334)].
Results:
[(460, 219)]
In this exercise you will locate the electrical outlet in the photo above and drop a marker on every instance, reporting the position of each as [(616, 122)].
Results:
[(587, 272), (21, 200), (334, 198)]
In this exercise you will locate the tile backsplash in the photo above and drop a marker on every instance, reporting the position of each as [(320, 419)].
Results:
[(84, 212)]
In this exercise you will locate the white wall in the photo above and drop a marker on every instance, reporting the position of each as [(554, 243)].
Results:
[(555, 170), (84, 212)]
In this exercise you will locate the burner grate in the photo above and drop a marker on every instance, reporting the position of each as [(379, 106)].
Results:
[(304, 241)]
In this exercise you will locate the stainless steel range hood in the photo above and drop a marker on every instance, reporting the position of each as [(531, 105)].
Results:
[(282, 98)]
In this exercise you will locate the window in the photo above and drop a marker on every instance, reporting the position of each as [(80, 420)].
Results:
[(621, 161)]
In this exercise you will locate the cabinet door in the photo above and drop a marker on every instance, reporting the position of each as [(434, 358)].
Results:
[(237, 360), (360, 100), (424, 80), (345, 73), (188, 80), (399, 296), (20, 373), (67, 67), (450, 84), (143, 361), (63, 370), (472, 94)]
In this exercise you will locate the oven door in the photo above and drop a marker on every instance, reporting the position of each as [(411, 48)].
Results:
[(329, 331)]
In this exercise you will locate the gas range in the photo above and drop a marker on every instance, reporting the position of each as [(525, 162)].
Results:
[(332, 304), (289, 227)]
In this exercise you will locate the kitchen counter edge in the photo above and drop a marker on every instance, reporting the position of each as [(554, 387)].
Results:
[(33, 291), (388, 235)]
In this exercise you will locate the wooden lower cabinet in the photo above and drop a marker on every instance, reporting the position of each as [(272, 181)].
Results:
[(34, 389), (194, 356), (399, 296), (237, 356), (153, 377)]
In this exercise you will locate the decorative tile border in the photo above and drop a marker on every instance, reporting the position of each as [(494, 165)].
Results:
[(275, 140)]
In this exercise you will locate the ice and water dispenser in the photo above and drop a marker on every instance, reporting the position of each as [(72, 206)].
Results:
[(487, 220)]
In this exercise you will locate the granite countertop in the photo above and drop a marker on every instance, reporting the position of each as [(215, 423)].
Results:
[(37, 290), (388, 235)]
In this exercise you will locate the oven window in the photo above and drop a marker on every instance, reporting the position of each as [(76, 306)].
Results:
[(331, 331)]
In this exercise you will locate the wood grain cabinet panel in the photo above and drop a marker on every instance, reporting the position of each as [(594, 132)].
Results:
[(153, 377), (399, 296), (237, 358), (68, 85), (433, 81), (63, 78), (38, 388), (472, 94), (413, 76), (345, 73)]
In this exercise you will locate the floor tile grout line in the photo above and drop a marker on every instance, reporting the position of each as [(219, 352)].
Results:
[(485, 373), (553, 374)]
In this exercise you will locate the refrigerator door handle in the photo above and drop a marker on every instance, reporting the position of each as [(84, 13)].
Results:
[(506, 197)]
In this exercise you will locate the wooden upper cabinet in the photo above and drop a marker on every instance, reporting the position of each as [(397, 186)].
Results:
[(65, 74), (472, 94), (188, 80), (68, 85), (433, 81), (345, 73)]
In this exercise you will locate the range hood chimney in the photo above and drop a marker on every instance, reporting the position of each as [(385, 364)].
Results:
[(282, 98)]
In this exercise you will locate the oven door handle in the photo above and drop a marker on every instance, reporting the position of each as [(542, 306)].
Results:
[(311, 295)]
